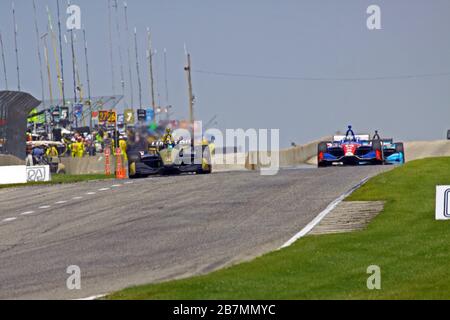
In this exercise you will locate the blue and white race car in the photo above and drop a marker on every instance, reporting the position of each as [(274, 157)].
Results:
[(353, 149)]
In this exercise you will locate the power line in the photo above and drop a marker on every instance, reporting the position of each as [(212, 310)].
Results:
[(298, 78)]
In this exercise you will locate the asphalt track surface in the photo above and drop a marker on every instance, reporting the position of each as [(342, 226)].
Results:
[(123, 233)]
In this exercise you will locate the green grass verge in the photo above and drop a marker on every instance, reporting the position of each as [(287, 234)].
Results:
[(411, 248), (61, 179)]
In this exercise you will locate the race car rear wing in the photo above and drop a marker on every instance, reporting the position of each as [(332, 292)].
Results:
[(359, 137)]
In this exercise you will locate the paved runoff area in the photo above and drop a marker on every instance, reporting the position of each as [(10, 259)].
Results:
[(124, 233)]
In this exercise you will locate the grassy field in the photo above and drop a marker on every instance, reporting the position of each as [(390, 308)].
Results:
[(410, 247), (61, 179)]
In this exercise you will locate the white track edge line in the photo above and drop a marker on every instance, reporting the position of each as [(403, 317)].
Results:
[(92, 297), (322, 215)]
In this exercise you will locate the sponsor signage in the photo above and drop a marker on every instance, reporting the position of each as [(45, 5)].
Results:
[(129, 116), (78, 110), (64, 115), (13, 175), (443, 203), (109, 117), (38, 174), (142, 115), (120, 119), (150, 115)]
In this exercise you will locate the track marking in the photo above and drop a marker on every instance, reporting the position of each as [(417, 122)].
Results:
[(129, 182), (104, 189), (9, 219), (26, 213), (91, 193), (322, 215), (61, 202), (45, 207), (77, 198), (93, 297), (116, 186)]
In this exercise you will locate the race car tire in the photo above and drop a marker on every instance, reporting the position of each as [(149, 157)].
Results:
[(322, 148), (204, 171), (206, 167), (132, 171), (400, 148), (377, 146)]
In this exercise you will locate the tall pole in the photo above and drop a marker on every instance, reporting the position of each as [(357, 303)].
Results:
[(72, 47), (39, 51), (61, 54), (125, 5), (75, 100), (3, 61), (15, 46), (119, 36), (111, 54), (166, 81), (188, 70), (137, 68), (88, 79), (150, 63), (55, 53), (49, 74)]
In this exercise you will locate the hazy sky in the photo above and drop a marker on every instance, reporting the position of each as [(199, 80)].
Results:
[(315, 39)]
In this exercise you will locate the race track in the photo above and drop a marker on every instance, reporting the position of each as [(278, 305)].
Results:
[(122, 233)]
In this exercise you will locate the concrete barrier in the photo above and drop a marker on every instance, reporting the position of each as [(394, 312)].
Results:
[(9, 160), (229, 162), (87, 165), (287, 157), (415, 150)]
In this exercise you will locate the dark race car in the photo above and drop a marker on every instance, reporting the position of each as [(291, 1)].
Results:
[(354, 149), (172, 158)]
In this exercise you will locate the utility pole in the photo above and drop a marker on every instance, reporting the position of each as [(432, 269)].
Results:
[(122, 77), (137, 68), (49, 74), (75, 99), (72, 48), (166, 81), (61, 55), (4, 61), (39, 52), (188, 70), (125, 5), (111, 54), (15, 46), (88, 79), (150, 63)]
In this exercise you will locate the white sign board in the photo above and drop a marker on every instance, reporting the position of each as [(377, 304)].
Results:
[(13, 175), (443, 203), (38, 174)]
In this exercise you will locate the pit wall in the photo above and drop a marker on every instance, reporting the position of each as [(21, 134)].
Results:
[(8, 160), (86, 165)]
